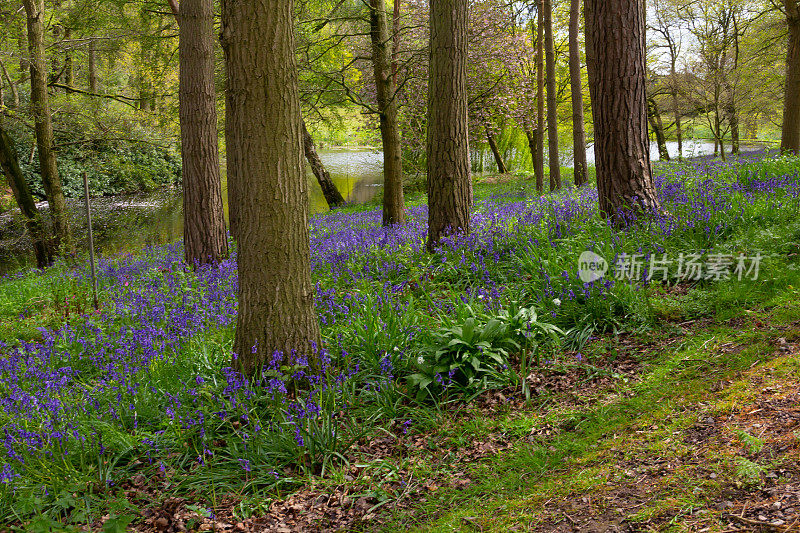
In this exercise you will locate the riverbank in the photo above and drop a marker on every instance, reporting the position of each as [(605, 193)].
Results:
[(132, 415)]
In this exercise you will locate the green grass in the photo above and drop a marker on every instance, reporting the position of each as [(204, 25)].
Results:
[(580, 429), (631, 421)]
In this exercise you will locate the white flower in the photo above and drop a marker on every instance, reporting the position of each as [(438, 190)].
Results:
[(420, 360), (557, 302)]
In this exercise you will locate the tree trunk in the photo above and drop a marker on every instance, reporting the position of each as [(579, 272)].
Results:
[(43, 125), (205, 238), (393, 200), (396, 40), (552, 107), (578, 128), (733, 120), (676, 111), (266, 179), (93, 66), (329, 190), (718, 133), (449, 181), (657, 125), (619, 107), (22, 194), (790, 134), (498, 158), (536, 156), (11, 85), (538, 164), (69, 66)]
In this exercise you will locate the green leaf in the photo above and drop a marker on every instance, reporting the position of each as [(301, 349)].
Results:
[(117, 524)]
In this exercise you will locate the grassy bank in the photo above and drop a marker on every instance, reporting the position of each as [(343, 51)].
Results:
[(110, 416)]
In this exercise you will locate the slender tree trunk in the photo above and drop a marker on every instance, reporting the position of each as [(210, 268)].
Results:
[(449, 181), (719, 142), (619, 107), (43, 125), (267, 181), (676, 110), (205, 239), (733, 120), (329, 190), (22, 194), (393, 200), (790, 135), (657, 125), (498, 158), (578, 127), (69, 66), (538, 164), (12, 86), (536, 155), (552, 106), (93, 66)]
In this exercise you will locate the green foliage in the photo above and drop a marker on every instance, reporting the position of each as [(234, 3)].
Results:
[(477, 354)]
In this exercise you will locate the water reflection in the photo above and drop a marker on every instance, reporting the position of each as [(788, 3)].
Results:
[(132, 222)]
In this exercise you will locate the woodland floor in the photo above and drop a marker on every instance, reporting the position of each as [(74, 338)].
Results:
[(694, 426)]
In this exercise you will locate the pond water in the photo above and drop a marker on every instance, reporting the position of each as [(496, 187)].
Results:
[(125, 223), (132, 222)]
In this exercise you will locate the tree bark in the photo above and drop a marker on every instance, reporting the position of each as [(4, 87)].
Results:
[(329, 190), (449, 180), (393, 200), (552, 106), (267, 182), (205, 238), (538, 164), (43, 124), (11, 85), (498, 158), (24, 198), (536, 155), (619, 107), (69, 65), (733, 120), (657, 125), (396, 40), (790, 134), (578, 127), (93, 66)]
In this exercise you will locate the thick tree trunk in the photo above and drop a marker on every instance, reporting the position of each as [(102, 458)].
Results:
[(538, 164), (393, 200), (449, 180), (93, 66), (205, 238), (266, 178), (43, 125), (396, 40), (619, 107), (552, 107), (498, 158), (578, 127), (790, 135), (657, 125), (329, 190), (22, 194)]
